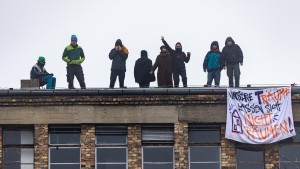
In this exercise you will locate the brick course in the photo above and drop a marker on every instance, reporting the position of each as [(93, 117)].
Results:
[(181, 145), (134, 147), (87, 146), (41, 146)]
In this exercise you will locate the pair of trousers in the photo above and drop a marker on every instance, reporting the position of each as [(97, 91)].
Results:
[(50, 81), (75, 70), (182, 73), (233, 71), (144, 84), (113, 78), (213, 75)]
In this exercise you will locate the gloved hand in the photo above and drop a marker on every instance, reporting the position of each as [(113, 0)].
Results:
[(51, 74), (72, 62)]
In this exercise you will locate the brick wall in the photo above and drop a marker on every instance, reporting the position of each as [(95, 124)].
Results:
[(87, 146), (228, 155), (181, 145), (134, 147), (272, 156), (41, 146)]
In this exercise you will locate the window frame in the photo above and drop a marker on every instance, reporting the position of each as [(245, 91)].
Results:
[(204, 127), (20, 146), (96, 156), (249, 146), (289, 142), (106, 133), (64, 146), (158, 142), (159, 146), (111, 145)]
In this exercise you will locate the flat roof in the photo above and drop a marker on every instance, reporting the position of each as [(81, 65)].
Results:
[(129, 91)]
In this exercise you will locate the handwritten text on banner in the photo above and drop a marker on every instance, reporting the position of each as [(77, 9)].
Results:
[(259, 116)]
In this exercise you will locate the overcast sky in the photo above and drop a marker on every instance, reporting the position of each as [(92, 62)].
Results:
[(268, 32)]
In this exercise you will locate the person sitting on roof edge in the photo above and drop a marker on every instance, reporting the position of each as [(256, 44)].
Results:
[(38, 71)]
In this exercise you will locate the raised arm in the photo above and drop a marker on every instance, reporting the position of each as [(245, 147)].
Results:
[(170, 50)]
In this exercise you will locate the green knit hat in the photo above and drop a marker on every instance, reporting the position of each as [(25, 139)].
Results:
[(41, 59)]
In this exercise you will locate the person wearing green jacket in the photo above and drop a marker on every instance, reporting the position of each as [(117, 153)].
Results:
[(73, 55)]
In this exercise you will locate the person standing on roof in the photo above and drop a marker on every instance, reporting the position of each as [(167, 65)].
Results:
[(142, 68), (38, 71), (164, 64), (179, 58), (213, 65), (233, 58), (118, 55), (73, 55)]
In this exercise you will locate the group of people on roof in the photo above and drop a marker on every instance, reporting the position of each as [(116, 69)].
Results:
[(170, 64)]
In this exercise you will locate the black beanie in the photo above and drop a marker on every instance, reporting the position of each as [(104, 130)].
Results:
[(118, 43), (163, 46)]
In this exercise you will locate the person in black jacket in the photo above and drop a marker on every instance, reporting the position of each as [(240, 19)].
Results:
[(233, 57), (142, 70), (118, 55), (178, 65)]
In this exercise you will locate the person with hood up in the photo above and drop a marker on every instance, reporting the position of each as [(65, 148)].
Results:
[(233, 58), (213, 64), (73, 55), (38, 71), (118, 55), (164, 64), (179, 59), (142, 68)]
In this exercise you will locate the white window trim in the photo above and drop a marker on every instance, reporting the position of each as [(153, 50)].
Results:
[(158, 162), (96, 162)]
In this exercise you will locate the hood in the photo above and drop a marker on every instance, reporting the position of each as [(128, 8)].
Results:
[(229, 39), (144, 54), (214, 43), (178, 49), (119, 43)]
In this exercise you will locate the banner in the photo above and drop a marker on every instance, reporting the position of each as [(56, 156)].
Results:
[(259, 116)]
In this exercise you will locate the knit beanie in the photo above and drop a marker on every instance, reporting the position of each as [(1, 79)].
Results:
[(74, 38)]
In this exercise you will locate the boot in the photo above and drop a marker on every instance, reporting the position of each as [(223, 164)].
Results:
[(71, 86)]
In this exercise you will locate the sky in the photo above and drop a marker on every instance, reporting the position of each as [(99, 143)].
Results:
[(266, 30)]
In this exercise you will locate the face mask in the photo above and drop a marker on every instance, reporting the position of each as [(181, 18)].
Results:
[(178, 49), (41, 64)]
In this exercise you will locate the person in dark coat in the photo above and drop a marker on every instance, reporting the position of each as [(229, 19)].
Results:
[(142, 70), (213, 64), (118, 55), (233, 58), (179, 59), (164, 64)]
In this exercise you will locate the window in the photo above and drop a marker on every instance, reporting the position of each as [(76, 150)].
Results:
[(204, 146), (289, 151), (111, 135), (111, 150), (249, 157), (154, 134), (64, 147), (18, 147), (158, 151)]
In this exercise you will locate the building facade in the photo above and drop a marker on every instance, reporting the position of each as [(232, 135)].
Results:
[(130, 129)]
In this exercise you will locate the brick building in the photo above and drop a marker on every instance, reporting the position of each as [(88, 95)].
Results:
[(152, 128)]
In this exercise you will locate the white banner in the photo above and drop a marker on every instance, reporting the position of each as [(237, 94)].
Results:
[(259, 116)]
